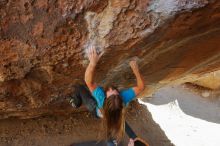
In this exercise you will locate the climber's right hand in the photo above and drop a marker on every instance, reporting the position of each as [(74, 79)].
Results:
[(93, 55)]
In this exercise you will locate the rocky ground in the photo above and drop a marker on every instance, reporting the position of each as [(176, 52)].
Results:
[(77, 127)]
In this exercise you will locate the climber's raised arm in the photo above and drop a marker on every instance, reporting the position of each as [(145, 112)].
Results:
[(89, 74), (140, 82)]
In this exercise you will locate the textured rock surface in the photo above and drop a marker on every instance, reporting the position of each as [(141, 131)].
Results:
[(207, 85), (210, 80), (43, 47), (76, 127)]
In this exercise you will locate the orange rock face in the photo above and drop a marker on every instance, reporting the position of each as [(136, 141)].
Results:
[(44, 44)]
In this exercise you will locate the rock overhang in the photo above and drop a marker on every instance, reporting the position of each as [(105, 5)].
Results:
[(43, 47)]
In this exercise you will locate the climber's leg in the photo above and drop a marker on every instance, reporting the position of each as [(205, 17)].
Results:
[(83, 96)]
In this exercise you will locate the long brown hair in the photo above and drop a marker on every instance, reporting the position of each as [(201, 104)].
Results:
[(113, 117)]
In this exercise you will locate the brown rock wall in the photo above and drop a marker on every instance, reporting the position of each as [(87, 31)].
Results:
[(43, 46)]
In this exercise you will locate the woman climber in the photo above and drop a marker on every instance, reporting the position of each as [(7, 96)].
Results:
[(108, 104)]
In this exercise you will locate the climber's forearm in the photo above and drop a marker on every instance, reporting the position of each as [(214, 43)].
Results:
[(89, 76), (140, 82)]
